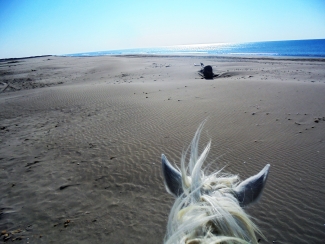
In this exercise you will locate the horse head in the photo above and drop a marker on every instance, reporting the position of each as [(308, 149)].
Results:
[(209, 208)]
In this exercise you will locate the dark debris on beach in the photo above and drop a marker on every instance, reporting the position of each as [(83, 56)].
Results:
[(207, 72)]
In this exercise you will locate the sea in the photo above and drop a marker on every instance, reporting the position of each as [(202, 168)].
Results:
[(314, 48)]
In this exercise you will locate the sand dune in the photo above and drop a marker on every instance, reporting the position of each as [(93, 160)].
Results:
[(81, 140)]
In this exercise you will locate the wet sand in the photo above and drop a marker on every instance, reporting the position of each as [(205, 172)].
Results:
[(81, 140)]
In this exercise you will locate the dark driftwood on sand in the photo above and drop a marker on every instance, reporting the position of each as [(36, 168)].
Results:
[(207, 72), (8, 85)]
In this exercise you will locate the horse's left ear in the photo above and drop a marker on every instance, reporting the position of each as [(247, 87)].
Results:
[(251, 189), (172, 177)]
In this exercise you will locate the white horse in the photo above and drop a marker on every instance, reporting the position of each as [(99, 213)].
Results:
[(208, 208)]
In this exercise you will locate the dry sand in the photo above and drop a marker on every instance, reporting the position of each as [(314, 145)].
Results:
[(80, 154)]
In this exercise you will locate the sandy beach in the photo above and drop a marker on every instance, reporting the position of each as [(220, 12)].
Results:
[(81, 140)]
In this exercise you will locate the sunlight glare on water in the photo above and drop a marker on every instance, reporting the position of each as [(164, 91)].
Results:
[(294, 48)]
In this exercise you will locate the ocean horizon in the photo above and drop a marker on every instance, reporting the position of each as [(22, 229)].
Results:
[(313, 48)]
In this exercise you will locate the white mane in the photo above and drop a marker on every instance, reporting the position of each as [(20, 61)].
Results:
[(207, 209)]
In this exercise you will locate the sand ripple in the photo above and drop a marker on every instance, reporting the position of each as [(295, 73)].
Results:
[(90, 153)]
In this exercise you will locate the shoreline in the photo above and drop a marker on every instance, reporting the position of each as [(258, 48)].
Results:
[(239, 57), (234, 57)]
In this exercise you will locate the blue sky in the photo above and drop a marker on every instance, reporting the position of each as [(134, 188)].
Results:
[(40, 27)]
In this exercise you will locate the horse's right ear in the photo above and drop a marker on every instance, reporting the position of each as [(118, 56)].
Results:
[(172, 177), (251, 189)]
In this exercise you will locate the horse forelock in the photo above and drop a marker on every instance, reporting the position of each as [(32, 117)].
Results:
[(207, 211)]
